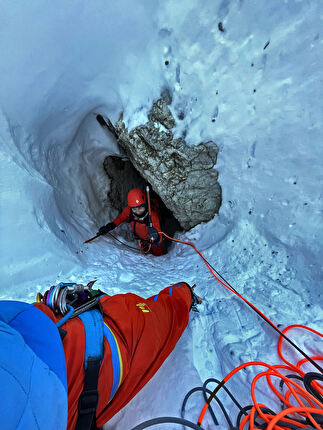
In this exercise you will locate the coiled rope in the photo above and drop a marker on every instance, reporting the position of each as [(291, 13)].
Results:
[(301, 403)]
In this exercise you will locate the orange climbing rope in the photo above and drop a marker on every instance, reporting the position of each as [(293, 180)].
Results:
[(144, 249), (307, 403)]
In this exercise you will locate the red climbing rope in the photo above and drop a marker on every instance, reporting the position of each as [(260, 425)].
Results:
[(307, 403), (242, 298)]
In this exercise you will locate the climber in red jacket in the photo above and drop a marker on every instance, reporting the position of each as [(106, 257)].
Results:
[(136, 213), (137, 336)]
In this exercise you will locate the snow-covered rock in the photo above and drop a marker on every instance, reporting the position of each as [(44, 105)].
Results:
[(183, 176)]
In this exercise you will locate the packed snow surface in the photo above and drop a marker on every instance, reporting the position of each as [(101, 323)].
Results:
[(254, 88)]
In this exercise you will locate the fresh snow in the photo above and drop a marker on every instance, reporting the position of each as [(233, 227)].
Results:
[(62, 63)]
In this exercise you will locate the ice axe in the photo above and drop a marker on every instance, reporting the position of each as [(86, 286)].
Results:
[(149, 211), (149, 206), (92, 238)]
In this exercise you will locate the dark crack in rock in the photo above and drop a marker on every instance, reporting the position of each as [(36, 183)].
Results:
[(123, 177), (183, 176)]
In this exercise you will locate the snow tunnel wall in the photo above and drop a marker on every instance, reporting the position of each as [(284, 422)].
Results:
[(58, 64), (258, 101)]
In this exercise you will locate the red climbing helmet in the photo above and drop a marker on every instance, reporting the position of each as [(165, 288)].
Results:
[(136, 197)]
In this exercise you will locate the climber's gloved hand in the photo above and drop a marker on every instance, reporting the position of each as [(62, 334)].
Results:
[(196, 300), (153, 234), (106, 228)]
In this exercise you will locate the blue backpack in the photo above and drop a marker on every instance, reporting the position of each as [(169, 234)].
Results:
[(33, 386), (33, 383)]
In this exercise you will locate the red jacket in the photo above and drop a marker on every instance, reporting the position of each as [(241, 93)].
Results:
[(145, 331), (138, 225)]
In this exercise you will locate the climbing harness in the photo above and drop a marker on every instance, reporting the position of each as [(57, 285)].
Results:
[(93, 326), (144, 245), (136, 221), (71, 300)]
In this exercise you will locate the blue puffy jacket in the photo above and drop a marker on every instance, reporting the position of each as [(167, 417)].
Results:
[(33, 387)]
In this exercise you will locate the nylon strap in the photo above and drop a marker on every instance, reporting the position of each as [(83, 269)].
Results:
[(88, 401)]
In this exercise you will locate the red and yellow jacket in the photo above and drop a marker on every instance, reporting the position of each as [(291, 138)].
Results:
[(141, 332)]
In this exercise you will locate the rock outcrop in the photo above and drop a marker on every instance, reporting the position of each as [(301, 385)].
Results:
[(183, 176)]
